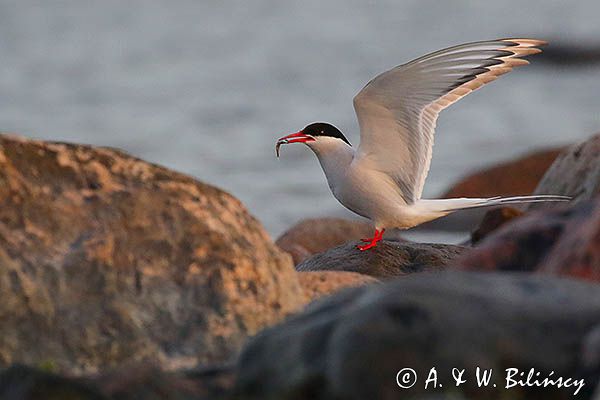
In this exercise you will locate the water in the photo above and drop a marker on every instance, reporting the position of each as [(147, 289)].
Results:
[(207, 87)]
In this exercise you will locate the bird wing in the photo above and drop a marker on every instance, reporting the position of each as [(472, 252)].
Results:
[(397, 110)]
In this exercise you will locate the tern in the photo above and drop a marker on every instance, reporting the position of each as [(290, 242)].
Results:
[(383, 179)]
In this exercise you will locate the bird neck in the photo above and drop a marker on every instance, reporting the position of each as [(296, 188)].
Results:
[(335, 158)]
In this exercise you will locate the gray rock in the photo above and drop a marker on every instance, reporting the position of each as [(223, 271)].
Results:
[(352, 345), (106, 259), (576, 173), (389, 259), (591, 349)]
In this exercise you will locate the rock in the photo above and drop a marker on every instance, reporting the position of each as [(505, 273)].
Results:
[(591, 349), (577, 253), (352, 345), (145, 382), (297, 252), (150, 383), (492, 220), (388, 260), (106, 259), (24, 383), (315, 235), (510, 178), (317, 284), (563, 241), (576, 173)]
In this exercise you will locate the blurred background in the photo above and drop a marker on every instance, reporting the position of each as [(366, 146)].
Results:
[(207, 87)]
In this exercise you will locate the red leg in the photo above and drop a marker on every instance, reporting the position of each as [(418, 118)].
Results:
[(373, 241), (377, 235)]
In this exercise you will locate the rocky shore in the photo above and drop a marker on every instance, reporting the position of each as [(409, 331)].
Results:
[(121, 279)]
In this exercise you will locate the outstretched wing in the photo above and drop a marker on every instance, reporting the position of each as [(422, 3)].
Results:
[(397, 110)]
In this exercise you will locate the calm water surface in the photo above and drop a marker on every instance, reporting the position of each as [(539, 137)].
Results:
[(207, 87)]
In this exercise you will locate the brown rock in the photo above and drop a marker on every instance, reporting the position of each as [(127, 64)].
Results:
[(105, 259), (575, 173), (511, 178), (563, 241), (492, 220), (388, 260), (317, 284), (315, 235)]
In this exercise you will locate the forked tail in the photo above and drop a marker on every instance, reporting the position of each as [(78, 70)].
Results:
[(446, 206)]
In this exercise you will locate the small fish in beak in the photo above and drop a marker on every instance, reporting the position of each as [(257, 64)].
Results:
[(298, 137), (278, 145)]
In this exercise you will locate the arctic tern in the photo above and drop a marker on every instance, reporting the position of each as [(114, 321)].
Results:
[(397, 111)]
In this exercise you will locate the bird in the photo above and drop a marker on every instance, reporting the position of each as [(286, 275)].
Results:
[(383, 178)]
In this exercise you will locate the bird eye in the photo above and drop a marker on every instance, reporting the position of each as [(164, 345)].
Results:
[(322, 132)]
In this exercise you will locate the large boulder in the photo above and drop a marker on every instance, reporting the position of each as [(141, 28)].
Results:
[(576, 173), (105, 259), (510, 178), (388, 260), (352, 345), (315, 235), (563, 241)]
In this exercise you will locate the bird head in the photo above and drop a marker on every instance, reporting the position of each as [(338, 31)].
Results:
[(315, 135)]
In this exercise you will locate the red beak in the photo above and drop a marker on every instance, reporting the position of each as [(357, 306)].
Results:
[(298, 137)]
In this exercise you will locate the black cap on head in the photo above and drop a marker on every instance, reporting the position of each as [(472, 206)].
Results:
[(324, 129)]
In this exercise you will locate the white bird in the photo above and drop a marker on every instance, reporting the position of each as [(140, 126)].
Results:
[(397, 111)]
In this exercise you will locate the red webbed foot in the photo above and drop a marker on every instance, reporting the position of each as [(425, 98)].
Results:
[(372, 242)]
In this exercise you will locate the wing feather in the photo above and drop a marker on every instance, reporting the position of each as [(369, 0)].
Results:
[(397, 111)]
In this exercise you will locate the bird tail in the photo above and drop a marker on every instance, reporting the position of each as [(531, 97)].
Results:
[(447, 206)]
